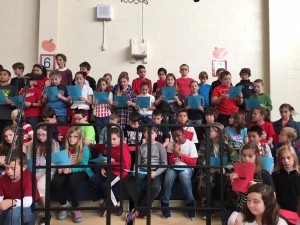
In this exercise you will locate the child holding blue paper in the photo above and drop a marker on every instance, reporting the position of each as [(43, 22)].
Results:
[(102, 108), (194, 104), (204, 88), (250, 154), (169, 107), (123, 89), (145, 112), (236, 131), (264, 98), (67, 179), (7, 90), (58, 101), (33, 102), (40, 148), (214, 151), (136, 186), (286, 178), (86, 99), (100, 182), (221, 99)]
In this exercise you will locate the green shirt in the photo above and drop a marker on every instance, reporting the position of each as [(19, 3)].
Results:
[(88, 133)]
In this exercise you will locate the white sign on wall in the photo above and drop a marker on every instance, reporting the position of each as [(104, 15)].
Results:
[(48, 61)]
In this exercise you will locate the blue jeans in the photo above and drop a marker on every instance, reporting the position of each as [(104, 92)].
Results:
[(146, 119), (100, 123), (12, 216), (185, 178)]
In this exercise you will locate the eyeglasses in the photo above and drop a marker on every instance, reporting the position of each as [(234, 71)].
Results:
[(41, 135), (70, 137), (77, 118)]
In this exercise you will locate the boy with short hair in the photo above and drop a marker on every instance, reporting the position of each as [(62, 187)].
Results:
[(211, 115), (190, 132), (204, 88), (86, 67), (18, 71), (131, 131), (137, 188), (264, 98), (181, 151), (217, 82), (287, 137), (10, 192), (113, 118), (88, 131), (60, 106), (163, 132), (183, 83), (254, 135), (136, 83), (7, 90)]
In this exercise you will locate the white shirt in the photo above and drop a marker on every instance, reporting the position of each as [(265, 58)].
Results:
[(240, 219), (86, 91)]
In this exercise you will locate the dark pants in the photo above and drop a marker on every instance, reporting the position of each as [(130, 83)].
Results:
[(224, 119), (137, 189), (33, 121), (70, 183), (98, 187)]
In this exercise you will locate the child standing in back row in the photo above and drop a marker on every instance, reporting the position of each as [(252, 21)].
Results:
[(204, 88), (184, 81), (136, 83), (66, 74), (264, 99)]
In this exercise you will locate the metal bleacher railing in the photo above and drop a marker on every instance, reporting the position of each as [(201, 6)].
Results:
[(208, 208)]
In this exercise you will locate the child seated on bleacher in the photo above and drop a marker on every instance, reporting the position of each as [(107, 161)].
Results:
[(163, 132), (113, 119), (136, 186), (255, 136), (181, 151), (190, 133), (99, 182)]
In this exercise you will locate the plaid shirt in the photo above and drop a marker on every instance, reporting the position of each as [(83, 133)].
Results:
[(124, 112), (102, 110)]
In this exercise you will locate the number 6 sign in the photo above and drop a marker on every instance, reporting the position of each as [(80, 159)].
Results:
[(48, 61)]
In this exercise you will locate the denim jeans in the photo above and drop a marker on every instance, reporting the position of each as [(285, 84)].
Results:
[(61, 119), (12, 216), (33, 121), (185, 178), (100, 122)]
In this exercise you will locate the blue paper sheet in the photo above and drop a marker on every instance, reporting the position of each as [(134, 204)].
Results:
[(194, 101), (143, 102), (179, 168), (267, 163), (133, 171), (74, 91), (2, 98), (51, 93), (168, 92), (252, 103), (101, 160), (121, 101), (215, 161), (29, 165), (17, 100), (60, 158), (234, 91), (101, 97)]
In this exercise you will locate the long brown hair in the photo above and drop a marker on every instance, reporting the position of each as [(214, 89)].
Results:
[(271, 213), (102, 79), (78, 146), (258, 163), (43, 145), (5, 147), (123, 75)]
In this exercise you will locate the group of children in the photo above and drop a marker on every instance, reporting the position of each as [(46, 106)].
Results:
[(236, 131)]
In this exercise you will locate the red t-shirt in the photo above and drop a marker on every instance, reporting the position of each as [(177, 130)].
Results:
[(136, 83), (33, 95), (40, 84), (267, 128), (12, 190), (183, 85), (228, 105)]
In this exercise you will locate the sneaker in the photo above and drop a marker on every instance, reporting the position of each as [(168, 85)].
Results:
[(77, 218), (191, 213), (211, 216), (130, 217), (119, 211), (62, 215), (165, 212)]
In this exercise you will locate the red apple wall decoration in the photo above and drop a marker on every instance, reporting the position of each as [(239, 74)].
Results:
[(219, 53), (48, 45)]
